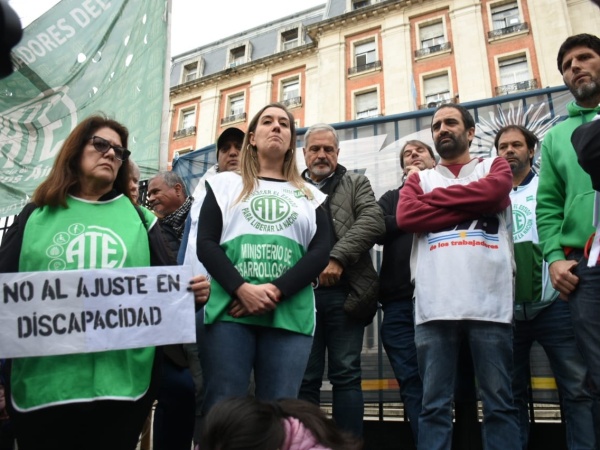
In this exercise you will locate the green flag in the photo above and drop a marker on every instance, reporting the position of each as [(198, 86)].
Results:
[(81, 57)]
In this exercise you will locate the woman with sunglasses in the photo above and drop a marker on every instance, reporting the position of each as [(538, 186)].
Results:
[(263, 237), (92, 400)]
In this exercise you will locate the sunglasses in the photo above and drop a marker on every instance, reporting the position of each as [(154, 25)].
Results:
[(102, 145)]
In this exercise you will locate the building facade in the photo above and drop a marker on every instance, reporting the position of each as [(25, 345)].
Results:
[(353, 59)]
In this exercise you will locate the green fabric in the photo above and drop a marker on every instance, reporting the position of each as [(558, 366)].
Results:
[(533, 291), (77, 59), (295, 313), (528, 284), (84, 235), (565, 195)]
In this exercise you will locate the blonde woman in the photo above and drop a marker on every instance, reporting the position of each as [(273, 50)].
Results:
[(263, 238)]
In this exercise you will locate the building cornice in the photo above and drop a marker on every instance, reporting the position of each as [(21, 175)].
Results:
[(244, 69), (376, 10)]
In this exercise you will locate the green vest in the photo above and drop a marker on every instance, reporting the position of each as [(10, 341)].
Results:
[(85, 235), (264, 235)]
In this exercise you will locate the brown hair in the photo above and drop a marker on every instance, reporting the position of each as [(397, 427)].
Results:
[(64, 176), (579, 40), (249, 166), (531, 139), (416, 143), (252, 424)]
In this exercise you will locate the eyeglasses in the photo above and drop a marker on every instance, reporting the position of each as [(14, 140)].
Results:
[(102, 145)]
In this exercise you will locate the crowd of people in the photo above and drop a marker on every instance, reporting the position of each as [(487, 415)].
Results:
[(482, 257)]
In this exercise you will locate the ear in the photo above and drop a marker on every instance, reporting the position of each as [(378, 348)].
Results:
[(251, 139), (304, 151), (470, 134)]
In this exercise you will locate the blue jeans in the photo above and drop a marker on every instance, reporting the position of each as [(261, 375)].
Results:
[(342, 337), (585, 313), (398, 337), (553, 329), (438, 344), (229, 351)]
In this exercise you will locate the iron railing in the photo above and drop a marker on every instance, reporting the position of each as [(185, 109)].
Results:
[(364, 67), (189, 131), (292, 101), (526, 85), (425, 51), (435, 104), (494, 34), (233, 118)]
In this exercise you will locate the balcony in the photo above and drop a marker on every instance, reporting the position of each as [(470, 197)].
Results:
[(517, 87), (426, 51), (189, 131), (292, 101), (234, 118), (501, 32), (440, 102), (364, 67)]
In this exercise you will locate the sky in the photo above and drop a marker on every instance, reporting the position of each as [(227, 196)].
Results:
[(195, 24)]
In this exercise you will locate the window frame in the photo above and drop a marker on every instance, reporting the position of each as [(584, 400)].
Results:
[(501, 4), (287, 30), (183, 112), (368, 90), (422, 26), (355, 46), (233, 59), (187, 67), (442, 95)]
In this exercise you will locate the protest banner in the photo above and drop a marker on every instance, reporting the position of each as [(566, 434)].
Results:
[(82, 57), (80, 311)]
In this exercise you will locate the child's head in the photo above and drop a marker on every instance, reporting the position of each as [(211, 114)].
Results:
[(251, 424)]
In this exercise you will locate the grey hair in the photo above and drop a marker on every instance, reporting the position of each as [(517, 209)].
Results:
[(321, 127), (171, 179)]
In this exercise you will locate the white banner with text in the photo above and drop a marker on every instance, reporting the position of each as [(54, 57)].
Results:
[(82, 311)]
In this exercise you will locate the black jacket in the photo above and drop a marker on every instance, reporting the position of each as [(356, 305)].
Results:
[(394, 276), (586, 141)]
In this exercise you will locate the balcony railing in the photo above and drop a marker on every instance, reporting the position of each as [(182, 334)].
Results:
[(233, 118), (433, 49), (364, 67), (516, 87), (292, 101), (436, 103), (189, 131), (508, 30)]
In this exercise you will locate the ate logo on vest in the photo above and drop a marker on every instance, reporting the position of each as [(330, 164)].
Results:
[(523, 221), (270, 208), (270, 211), (82, 247)]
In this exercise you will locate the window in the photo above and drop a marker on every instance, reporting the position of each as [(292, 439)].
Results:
[(356, 4), (190, 72), (504, 16), (436, 90), (366, 105), (237, 56), (289, 39), (513, 70), (290, 89), (432, 35), (187, 124), (290, 92), (365, 53), (188, 119), (236, 105)]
